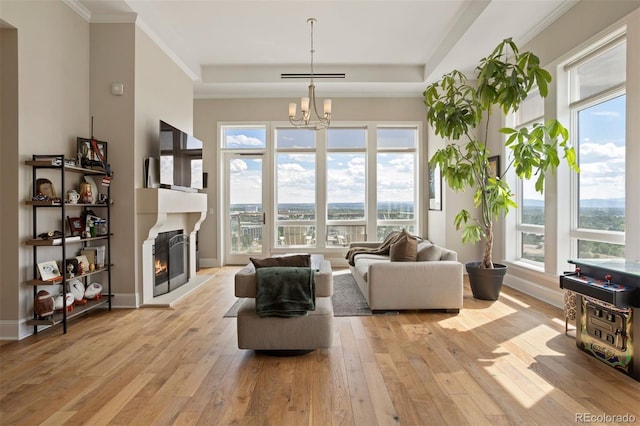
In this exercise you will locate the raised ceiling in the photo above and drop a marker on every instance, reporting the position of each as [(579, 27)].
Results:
[(384, 48)]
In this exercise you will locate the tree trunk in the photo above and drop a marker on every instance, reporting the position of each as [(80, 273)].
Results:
[(488, 248)]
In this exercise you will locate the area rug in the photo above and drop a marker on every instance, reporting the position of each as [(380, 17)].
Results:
[(347, 299)]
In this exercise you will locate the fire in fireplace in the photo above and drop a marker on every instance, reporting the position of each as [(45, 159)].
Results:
[(171, 260)]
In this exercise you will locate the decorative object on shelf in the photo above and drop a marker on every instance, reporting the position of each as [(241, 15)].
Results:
[(43, 304), (76, 288), (93, 291), (75, 225), (309, 103), (86, 193), (72, 267), (93, 181), (45, 188), (103, 198), (83, 264), (49, 271), (88, 155), (72, 196), (59, 302)]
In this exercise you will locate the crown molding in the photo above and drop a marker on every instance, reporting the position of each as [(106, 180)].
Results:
[(101, 18), (79, 9), (542, 25)]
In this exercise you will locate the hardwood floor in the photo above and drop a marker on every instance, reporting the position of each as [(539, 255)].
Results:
[(506, 362)]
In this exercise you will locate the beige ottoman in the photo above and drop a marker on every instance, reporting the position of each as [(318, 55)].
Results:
[(304, 333)]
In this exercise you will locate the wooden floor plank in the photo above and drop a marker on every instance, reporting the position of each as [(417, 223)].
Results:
[(496, 362)]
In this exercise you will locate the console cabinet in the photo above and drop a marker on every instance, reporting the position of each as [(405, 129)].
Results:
[(55, 213)]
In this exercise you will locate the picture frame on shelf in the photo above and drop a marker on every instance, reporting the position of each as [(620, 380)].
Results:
[(71, 266), (76, 226), (87, 156), (49, 271), (45, 187)]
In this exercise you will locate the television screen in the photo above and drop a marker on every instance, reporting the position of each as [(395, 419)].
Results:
[(180, 159)]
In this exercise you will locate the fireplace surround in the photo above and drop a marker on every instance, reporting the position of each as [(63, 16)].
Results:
[(163, 210)]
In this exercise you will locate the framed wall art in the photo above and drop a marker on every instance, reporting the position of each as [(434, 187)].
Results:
[(493, 166), (435, 188)]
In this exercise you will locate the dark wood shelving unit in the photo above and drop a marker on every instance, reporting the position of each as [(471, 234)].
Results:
[(65, 242)]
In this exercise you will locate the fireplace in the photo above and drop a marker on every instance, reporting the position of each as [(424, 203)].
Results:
[(170, 261), (161, 210)]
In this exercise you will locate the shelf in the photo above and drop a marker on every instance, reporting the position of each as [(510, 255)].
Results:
[(59, 282), (58, 241), (50, 203), (52, 164), (57, 317)]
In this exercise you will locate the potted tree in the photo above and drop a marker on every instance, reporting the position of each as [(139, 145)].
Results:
[(456, 109)]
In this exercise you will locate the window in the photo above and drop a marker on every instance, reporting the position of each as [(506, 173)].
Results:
[(346, 186), (396, 177), (295, 187), (597, 92), (244, 137), (320, 190), (349, 208), (531, 211)]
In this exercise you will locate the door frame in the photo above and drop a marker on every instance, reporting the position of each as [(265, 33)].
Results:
[(229, 258)]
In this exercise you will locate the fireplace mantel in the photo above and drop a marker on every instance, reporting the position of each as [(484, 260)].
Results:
[(159, 210)]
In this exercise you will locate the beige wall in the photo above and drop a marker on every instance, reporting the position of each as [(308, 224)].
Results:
[(9, 172), (154, 88), (53, 109), (113, 60)]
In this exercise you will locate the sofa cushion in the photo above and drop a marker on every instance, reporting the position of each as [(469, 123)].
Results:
[(363, 263), (296, 260), (405, 249), (429, 252)]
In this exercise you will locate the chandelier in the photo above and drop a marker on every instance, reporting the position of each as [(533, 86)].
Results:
[(306, 121)]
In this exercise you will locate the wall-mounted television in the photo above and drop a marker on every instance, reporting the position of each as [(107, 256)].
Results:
[(180, 159)]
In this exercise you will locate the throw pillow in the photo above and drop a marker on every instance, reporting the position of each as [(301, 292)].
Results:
[(297, 260), (430, 253), (405, 249)]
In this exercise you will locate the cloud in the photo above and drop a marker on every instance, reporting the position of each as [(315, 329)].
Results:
[(235, 141), (237, 166)]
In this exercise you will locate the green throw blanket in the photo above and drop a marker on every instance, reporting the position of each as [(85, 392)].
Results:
[(284, 291)]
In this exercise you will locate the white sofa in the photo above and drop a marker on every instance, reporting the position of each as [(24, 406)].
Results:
[(433, 281)]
